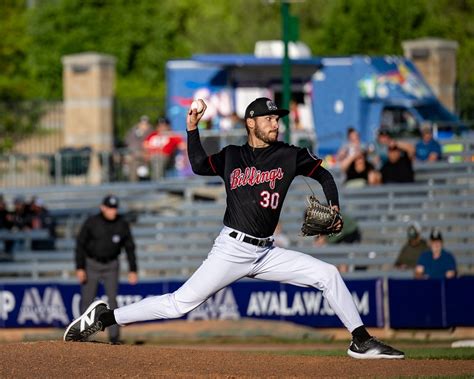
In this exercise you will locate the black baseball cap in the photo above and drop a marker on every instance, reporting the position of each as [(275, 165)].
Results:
[(436, 235), (111, 201), (263, 106)]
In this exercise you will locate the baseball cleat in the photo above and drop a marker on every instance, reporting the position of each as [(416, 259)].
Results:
[(374, 349), (87, 324)]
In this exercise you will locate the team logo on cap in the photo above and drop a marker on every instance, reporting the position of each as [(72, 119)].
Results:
[(251, 113), (271, 106)]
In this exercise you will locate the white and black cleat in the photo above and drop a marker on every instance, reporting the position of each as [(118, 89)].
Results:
[(87, 324), (373, 349)]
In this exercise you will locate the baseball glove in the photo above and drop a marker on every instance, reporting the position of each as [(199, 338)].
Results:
[(320, 219)]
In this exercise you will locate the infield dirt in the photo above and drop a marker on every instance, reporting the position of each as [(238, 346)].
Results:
[(57, 359)]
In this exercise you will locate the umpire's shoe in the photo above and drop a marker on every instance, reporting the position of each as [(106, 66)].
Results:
[(88, 324), (373, 349)]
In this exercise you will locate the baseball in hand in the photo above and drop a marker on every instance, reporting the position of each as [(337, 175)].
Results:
[(197, 104)]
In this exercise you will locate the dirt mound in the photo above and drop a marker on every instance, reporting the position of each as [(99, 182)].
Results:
[(57, 359)]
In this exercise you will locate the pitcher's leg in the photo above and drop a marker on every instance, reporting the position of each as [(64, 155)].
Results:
[(214, 274), (288, 266)]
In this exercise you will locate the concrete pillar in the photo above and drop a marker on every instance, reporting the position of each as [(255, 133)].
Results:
[(436, 60), (89, 88)]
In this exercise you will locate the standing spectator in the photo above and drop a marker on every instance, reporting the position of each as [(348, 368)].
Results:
[(399, 167), (436, 263), (134, 139), (40, 218), (161, 147), (98, 247), (412, 249), (428, 149), (350, 149)]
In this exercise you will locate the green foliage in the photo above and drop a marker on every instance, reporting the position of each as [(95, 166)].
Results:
[(16, 120), (144, 34), (14, 44)]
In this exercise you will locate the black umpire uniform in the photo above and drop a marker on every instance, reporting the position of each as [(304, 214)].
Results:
[(98, 246)]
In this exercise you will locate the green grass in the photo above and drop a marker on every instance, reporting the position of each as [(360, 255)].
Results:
[(466, 353)]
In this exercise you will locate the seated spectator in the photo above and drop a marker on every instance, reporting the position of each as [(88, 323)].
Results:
[(350, 149), (161, 147), (18, 222), (40, 218), (399, 167), (436, 263), (5, 216), (280, 238), (361, 172), (412, 249), (350, 233), (428, 149), (378, 150)]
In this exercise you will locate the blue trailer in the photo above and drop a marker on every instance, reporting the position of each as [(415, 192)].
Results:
[(331, 94)]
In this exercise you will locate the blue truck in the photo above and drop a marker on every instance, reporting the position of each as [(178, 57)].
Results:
[(330, 94)]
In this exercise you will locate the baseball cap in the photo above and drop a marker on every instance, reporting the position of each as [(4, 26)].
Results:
[(436, 235), (111, 201), (414, 230), (264, 106)]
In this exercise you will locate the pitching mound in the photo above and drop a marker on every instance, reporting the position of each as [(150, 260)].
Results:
[(57, 359)]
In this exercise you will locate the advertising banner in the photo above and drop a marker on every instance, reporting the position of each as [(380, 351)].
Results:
[(56, 304)]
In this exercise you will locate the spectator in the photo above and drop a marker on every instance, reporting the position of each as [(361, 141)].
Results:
[(412, 249), (350, 233), (5, 217), (236, 121), (361, 172), (399, 167), (280, 238), (379, 149), (6, 223), (350, 149), (98, 246), (161, 147), (428, 149), (134, 158), (436, 263), (40, 218)]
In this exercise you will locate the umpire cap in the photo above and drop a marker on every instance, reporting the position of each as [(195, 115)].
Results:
[(263, 106), (110, 201)]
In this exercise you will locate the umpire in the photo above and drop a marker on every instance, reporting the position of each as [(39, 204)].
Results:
[(98, 247)]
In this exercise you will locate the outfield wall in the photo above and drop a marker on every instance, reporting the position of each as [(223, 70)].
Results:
[(410, 303)]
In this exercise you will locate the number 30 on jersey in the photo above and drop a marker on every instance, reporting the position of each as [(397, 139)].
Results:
[(269, 199)]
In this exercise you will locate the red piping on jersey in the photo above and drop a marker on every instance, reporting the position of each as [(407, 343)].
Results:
[(212, 166), (315, 167)]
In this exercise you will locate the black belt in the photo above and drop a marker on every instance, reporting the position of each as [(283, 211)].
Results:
[(253, 241), (102, 260)]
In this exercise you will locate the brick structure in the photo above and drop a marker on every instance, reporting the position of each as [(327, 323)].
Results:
[(88, 91), (436, 60)]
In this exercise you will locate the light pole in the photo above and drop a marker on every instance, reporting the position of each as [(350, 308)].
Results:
[(286, 66)]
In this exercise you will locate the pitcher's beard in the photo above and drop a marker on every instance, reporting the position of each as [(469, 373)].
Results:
[(269, 138)]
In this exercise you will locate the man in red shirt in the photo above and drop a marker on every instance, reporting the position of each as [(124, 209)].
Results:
[(161, 147)]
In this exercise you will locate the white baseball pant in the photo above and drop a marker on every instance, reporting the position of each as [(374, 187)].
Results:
[(231, 259)]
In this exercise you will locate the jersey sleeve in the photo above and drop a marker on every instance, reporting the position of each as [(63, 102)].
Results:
[(201, 163), (306, 162)]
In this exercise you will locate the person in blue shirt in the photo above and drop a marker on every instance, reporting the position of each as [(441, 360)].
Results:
[(428, 149), (436, 263)]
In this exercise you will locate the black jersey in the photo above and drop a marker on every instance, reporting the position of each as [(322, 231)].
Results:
[(256, 180), (104, 239)]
